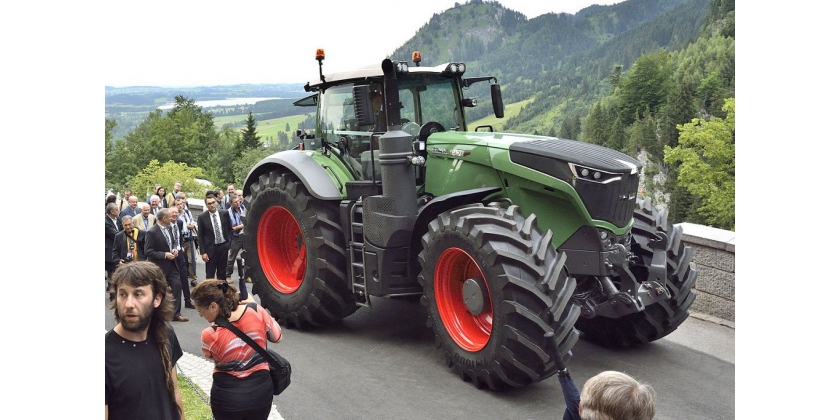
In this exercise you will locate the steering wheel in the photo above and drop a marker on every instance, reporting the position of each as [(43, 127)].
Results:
[(411, 128)]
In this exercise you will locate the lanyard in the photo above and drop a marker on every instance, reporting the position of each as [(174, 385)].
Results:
[(129, 241)]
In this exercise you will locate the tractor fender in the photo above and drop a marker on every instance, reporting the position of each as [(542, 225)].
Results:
[(440, 204), (314, 177)]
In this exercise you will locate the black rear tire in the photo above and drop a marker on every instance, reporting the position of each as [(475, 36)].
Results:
[(660, 318), (526, 286), (294, 248)]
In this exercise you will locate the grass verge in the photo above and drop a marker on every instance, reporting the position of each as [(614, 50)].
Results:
[(194, 407)]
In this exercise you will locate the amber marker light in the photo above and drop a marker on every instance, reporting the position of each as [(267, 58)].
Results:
[(415, 57), (319, 54)]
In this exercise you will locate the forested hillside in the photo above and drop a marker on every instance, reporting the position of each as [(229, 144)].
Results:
[(642, 76)]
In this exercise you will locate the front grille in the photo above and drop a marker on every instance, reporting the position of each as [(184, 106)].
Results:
[(613, 202), (610, 198)]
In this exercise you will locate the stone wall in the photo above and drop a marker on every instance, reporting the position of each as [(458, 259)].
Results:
[(714, 259)]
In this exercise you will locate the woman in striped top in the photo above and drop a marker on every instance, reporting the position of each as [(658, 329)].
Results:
[(242, 387)]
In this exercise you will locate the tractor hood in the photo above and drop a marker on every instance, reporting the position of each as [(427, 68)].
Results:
[(553, 156), (606, 180)]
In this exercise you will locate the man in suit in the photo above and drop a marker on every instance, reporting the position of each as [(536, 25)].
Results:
[(177, 227), (145, 220), (237, 239), (188, 230), (132, 209), (161, 249), (214, 233), (111, 228), (129, 242)]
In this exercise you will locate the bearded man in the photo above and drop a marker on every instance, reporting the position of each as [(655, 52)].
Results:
[(142, 349)]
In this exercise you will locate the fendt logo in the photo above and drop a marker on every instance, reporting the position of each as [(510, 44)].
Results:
[(453, 152)]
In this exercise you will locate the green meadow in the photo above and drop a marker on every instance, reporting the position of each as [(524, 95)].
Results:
[(267, 129)]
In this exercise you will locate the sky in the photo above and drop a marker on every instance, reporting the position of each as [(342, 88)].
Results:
[(186, 42)]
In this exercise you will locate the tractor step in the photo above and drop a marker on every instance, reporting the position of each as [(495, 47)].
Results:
[(357, 255)]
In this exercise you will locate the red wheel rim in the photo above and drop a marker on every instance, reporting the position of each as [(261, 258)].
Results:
[(281, 249), (470, 332)]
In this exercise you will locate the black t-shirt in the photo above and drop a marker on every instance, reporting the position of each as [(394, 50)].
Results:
[(135, 383)]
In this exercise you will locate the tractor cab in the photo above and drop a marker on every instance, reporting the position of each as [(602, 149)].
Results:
[(354, 110)]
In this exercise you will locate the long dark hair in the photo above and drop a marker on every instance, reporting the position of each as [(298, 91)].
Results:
[(213, 290), (142, 273)]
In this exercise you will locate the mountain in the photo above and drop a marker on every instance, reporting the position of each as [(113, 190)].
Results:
[(558, 59)]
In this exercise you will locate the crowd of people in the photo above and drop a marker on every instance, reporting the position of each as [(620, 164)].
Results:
[(174, 240), (150, 251), (150, 262)]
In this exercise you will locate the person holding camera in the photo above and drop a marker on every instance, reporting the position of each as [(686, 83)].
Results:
[(128, 243)]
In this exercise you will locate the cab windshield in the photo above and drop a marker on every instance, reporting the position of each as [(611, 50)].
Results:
[(425, 98)]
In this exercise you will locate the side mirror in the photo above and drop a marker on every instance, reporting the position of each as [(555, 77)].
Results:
[(496, 94), (362, 106)]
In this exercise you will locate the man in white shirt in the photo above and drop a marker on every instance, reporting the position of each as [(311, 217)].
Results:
[(214, 235)]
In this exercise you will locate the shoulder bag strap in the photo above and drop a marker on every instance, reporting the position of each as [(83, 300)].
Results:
[(223, 322)]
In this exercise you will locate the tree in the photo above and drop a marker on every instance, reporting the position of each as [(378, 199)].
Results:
[(167, 174), (706, 153), (615, 76), (288, 127), (184, 134), (646, 86), (242, 165), (109, 152), (228, 151), (596, 126), (282, 141), (250, 139)]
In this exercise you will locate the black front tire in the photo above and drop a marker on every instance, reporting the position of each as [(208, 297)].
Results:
[(660, 318), (294, 247), (527, 289)]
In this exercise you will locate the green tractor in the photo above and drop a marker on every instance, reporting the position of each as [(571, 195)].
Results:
[(390, 196)]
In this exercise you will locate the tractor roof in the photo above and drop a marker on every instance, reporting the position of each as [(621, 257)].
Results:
[(373, 70)]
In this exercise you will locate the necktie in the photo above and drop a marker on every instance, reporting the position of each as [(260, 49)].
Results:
[(146, 223), (168, 237), (175, 242), (216, 229)]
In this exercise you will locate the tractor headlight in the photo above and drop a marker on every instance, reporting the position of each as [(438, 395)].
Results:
[(593, 175), (455, 68)]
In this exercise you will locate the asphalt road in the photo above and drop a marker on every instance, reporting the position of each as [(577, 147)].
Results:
[(381, 362)]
